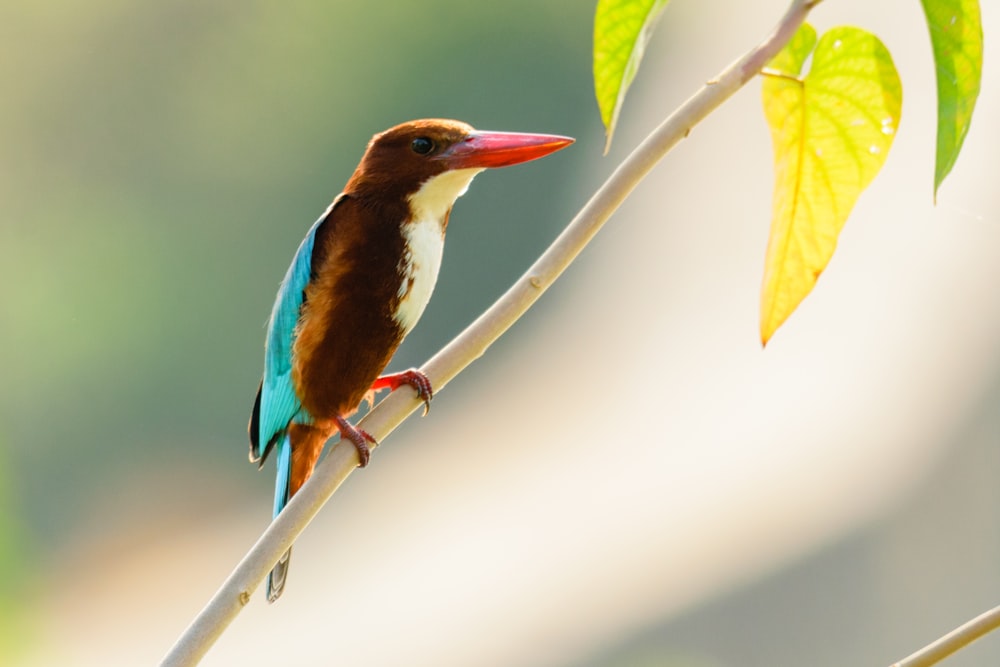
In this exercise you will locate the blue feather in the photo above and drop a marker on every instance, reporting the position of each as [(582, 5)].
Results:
[(276, 578), (279, 404), (284, 477)]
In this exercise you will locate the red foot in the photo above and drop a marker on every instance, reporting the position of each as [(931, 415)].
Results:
[(358, 437), (412, 377)]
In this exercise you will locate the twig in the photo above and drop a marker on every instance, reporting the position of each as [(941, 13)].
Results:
[(473, 342), (958, 638)]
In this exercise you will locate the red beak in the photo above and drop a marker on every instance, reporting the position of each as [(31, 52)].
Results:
[(501, 149)]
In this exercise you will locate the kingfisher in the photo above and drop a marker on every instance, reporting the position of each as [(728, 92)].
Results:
[(356, 287)]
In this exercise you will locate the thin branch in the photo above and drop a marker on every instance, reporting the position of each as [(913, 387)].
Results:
[(956, 639), (473, 342)]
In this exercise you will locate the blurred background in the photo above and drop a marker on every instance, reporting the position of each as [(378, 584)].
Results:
[(625, 479)]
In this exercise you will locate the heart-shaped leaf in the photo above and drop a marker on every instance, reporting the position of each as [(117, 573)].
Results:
[(831, 131)]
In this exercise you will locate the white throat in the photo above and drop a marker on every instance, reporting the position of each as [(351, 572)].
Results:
[(438, 193), (424, 238)]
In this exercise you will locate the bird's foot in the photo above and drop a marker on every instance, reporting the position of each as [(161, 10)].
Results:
[(414, 378), (357, 436)]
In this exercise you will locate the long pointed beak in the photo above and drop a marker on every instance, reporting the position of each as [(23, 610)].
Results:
[(501, 149)]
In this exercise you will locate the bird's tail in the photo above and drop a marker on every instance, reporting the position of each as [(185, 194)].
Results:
[(276, 579)]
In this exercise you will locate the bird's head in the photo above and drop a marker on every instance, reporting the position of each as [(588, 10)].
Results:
[(431, 162)]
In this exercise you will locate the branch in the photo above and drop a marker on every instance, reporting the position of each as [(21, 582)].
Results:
[(958, 638), (474, 341)]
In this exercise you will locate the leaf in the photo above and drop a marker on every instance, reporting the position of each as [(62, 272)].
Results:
[(831, 131), (621, 30), (957, 39)]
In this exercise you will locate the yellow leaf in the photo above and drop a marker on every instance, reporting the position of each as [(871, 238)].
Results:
[(831, 131)]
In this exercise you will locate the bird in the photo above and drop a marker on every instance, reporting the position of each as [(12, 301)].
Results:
[(357, 285)]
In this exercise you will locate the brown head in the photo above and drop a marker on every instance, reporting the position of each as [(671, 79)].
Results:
[(403, 158)]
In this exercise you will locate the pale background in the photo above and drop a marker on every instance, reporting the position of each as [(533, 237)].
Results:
[(625, 479)]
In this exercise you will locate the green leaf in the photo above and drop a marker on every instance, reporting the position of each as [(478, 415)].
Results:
[(831, 131), (621, 30), (957, 38)]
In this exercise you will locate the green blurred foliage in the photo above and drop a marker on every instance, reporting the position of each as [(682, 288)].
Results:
[(161, 162), (13, 563)]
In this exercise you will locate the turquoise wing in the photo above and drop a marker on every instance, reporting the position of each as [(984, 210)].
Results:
[(277, 403)]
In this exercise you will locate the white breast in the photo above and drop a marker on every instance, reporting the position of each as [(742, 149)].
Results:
[(424, 237), (419, 269)]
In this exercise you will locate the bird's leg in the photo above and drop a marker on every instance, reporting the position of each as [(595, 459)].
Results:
[(412, 377), (358, 437)]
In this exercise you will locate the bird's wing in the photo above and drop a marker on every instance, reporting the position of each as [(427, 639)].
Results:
[(277, 404)]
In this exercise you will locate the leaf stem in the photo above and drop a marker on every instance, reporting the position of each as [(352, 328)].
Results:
[(468, 346), (777, 74)]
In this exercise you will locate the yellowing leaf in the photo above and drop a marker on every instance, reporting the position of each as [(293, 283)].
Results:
[(957, 38), (621, 30), (831, 131)]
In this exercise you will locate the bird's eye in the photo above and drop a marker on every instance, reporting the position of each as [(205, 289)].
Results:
[(422, 145)]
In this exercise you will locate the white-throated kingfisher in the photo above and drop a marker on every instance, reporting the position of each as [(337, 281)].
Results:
[(357, 285)]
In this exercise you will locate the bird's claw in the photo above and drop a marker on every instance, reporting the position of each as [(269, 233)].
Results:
[(422, 385), (414, 378), (359, 438)]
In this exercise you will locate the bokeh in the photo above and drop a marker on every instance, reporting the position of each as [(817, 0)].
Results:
[(625, 479)]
